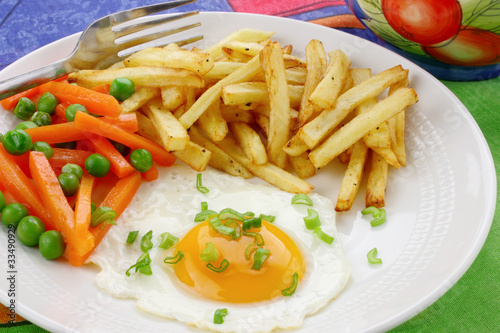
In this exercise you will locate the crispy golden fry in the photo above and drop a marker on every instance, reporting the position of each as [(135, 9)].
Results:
[(271, 58), (199, 63), (140, 97), (248, 93), (332, 83), (195, 156), (249, 141), (234, 55), (234, 113), (376, 183), (213, 123), (361, 124), (316, 65), (173, 97), (302, 166), (242, 35), (173, 135), (352, 177), (309, 135), (142, 76), (397, 128), (219, 159), (222, 69), (263, 122), (242, 74), (147, 129)]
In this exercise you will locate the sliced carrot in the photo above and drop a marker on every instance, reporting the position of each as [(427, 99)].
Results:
[(56, 133), (95, 102), (103, 88), (11, 102), (85, 122), (15, 181), (117, 199), (60, 110), (151, 174), (61, 157), (56, 203), (126, 121), (119, 165), (23, 162), (83, 204)]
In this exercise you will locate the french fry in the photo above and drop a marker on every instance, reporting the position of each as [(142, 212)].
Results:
[(221, 70), (173, 136), (140, 97), (361, 124), (248, 93), (173, 97), (249, 141), (376, 183), (271, 58), (397, 128), (234, 113), (142, 76), (213, 123), (352, 177), (302, 166), (242, 35), (195, 156)]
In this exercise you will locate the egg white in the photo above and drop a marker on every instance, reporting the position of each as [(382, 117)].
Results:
[(170, 204)]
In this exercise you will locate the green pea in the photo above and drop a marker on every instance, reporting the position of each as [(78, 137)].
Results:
[(24, 108), (13, 213), (25, 125), (17, 142), (72, 109), (74, 169), (44, 147), (69, 183), (121, 88), (2, 201), (122, 149), (29, 230), (41, 118), (51, 244), (141, 160), (47, 103), (66, 145), (97, 165)]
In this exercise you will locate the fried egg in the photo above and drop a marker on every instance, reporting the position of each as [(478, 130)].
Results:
[(188, 291)]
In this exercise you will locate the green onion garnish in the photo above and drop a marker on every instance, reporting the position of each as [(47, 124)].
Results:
[(321, 235), (175, 259), (143, 261), (204, 215), (101, 215), (380, 219), (251, 223), (260, 257), (251, 214), (219, 316), (204, 206), (259, 240), (302, 199), (372, 210), (223, 266), (216, 225), (267, 218), (312, 219), (229, 213), (372, 257), (199, 185), (291, 290), (146, 270), (251, 248), (146, 243), (236, 226), (209, 253), (167, 240), (132, 236)]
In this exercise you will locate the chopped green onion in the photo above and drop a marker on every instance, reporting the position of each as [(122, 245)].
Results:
[(321, 235), (199, 185), (259, 240), (209, 253), (267, 218), (204, 215), (216, 225), (204, 206), (219, 316), (251, 248), (251, 214), (146, 243), (223, 266), (302, 199), (146, 270), (175, 259), (380, 219), (260, 257), (291, 290), (229, 213), (132, 236), (372, 257), (143, 261), (236, 226), (312, 219), (372, 210), (102, 214), (251, 223), (167, 240)]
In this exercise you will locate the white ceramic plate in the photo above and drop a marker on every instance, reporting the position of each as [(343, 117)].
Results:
[(440, 209)]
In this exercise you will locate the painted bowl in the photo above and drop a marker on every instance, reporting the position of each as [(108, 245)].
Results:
[(453, 40)]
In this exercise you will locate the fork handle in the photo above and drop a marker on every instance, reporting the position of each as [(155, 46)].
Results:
[(31, 79)]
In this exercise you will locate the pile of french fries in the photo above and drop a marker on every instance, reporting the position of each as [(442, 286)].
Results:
[(248, 107)]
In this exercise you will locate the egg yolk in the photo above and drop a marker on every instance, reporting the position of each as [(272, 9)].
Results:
[(239, 283)]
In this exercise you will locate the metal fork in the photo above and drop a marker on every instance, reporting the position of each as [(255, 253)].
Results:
[(107, 40)]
